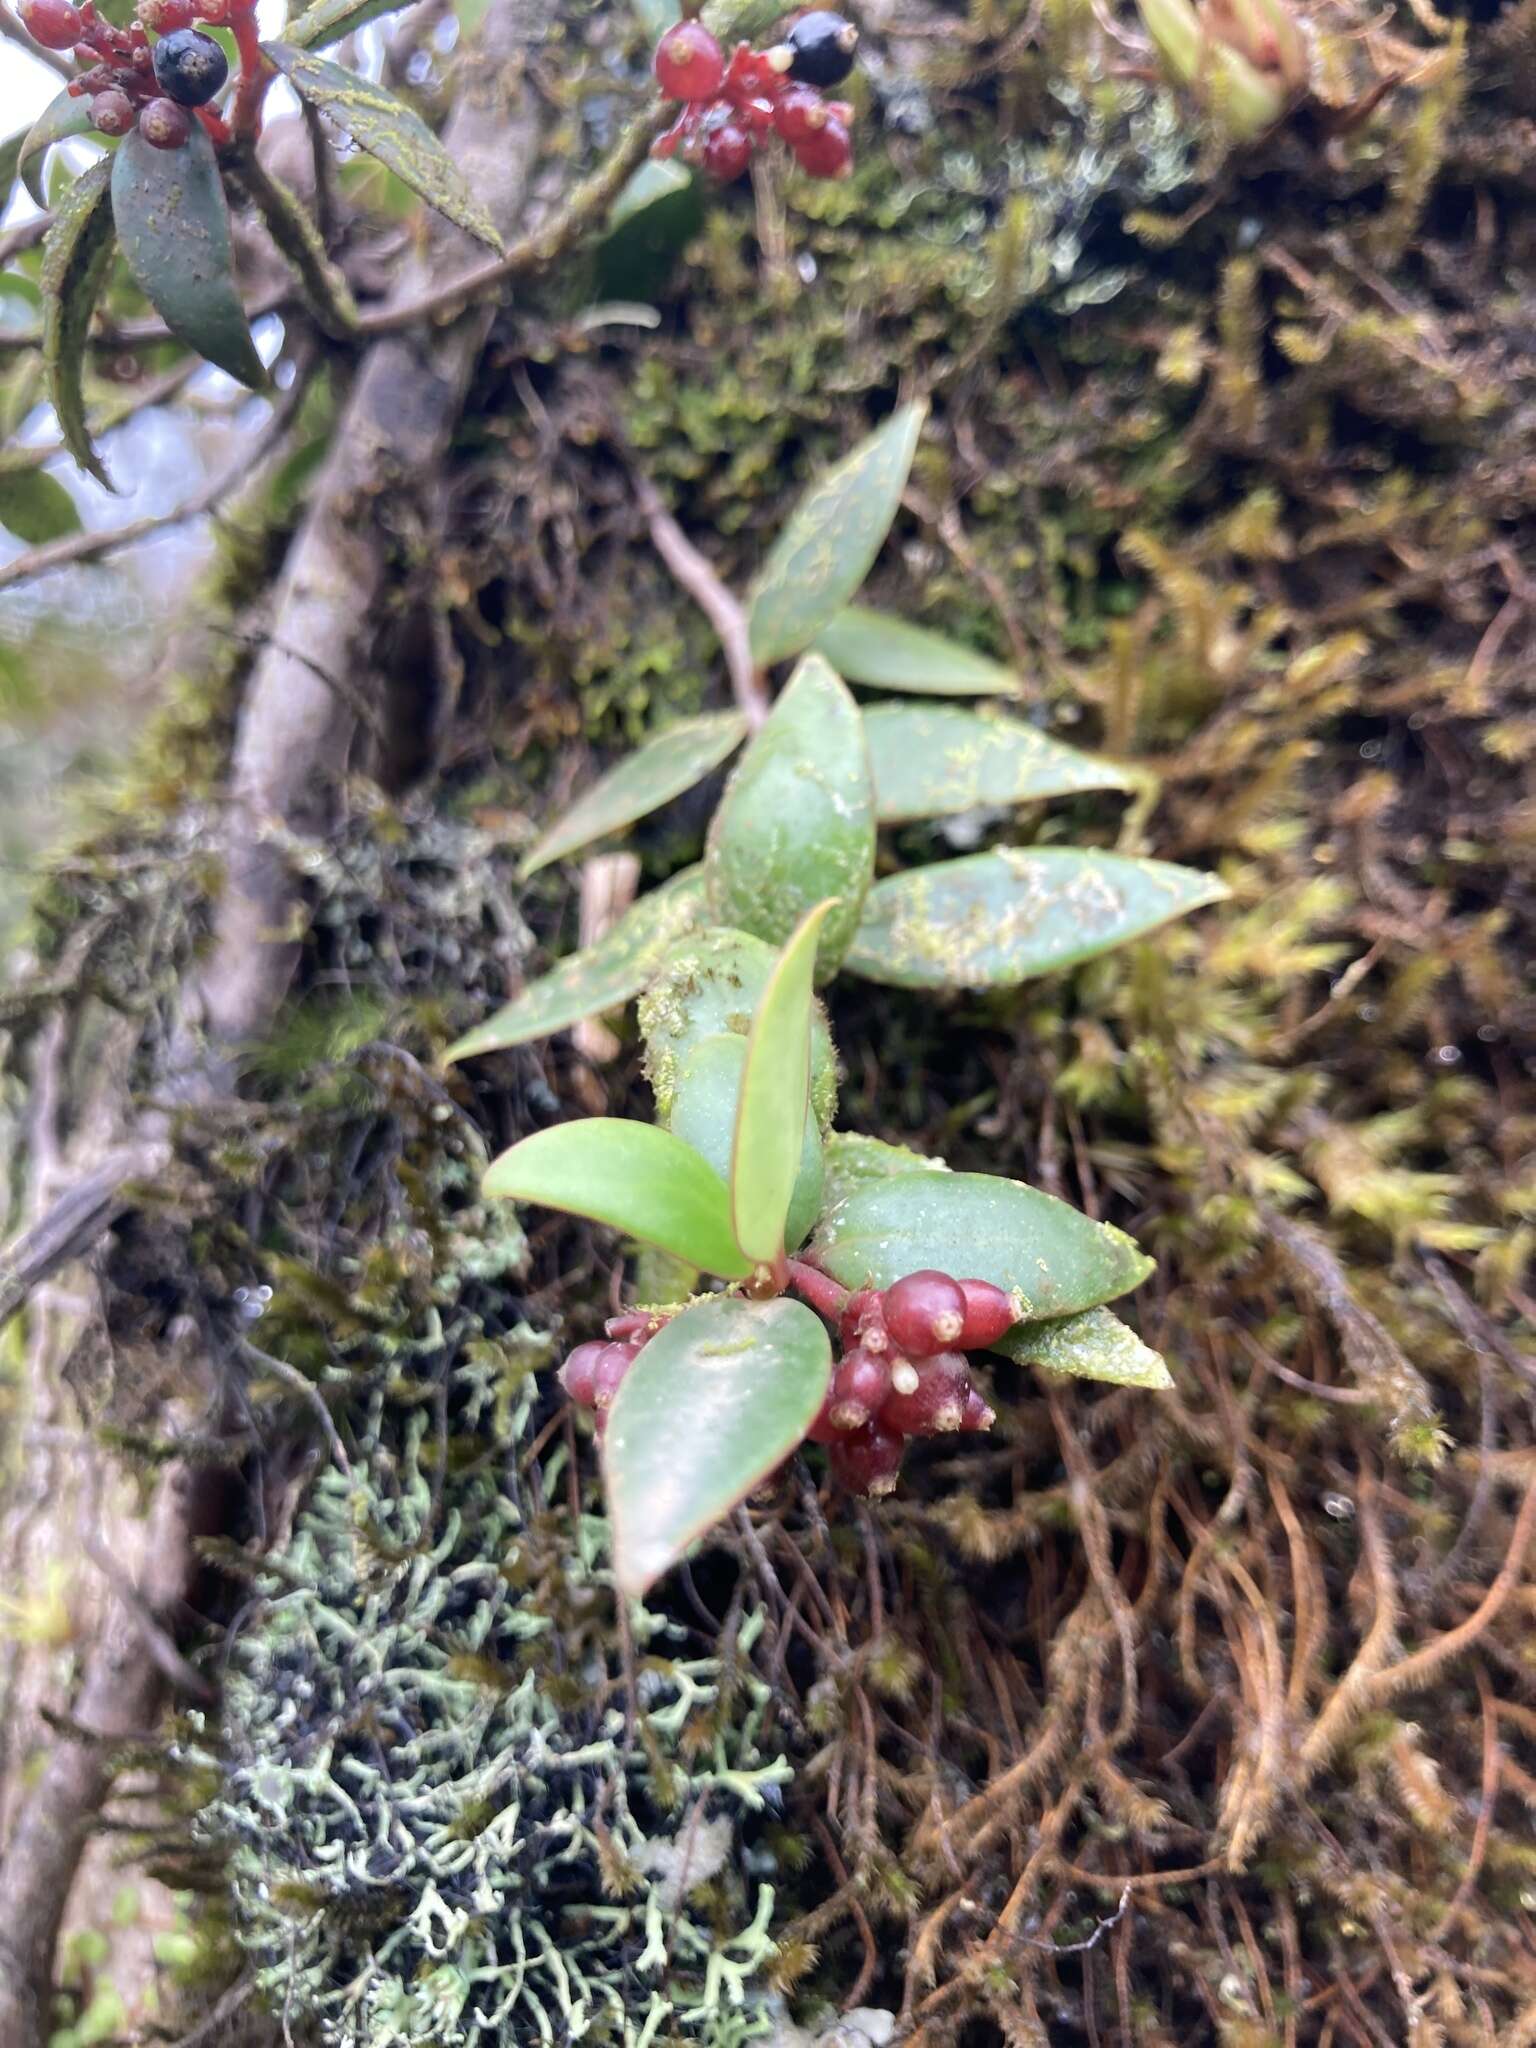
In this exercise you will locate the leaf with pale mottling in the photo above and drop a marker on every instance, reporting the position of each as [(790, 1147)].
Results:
[(1095, 1345), (1049, 1256), (329, 20), (714, 1402), (641, 783), (173, 225), (597, 979), (995, 919), (775, 1097), (66, 115), (383, 125), (831, 539), (76, 257), (797, 821), (933, 761), (869, 647), (852, 1160), (636, 1178)]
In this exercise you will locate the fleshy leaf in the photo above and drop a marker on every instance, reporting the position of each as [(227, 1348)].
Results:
[(655, 216), (831, 539), (871, 648), (645, 780), (994, 919), (1095, 1345), (714, 1402), (713, 982), (634, 1177), (931, 761), (383, 125), (64, 116), (598, 979), (76, 258), (1051, 1257), (852, 1160), (36, 507), (775, 1097), (704, 1109), (327, 21), (10, 157), (174, 229), (797, 821)]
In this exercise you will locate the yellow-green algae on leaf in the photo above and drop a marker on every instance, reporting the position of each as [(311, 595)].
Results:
[(1094, 1345)]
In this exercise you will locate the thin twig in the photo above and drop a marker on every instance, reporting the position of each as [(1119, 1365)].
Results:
[(307, 1391), (719, 605)]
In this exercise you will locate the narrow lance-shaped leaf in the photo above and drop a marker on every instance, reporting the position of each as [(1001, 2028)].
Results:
[(597, 979), (797, 821), (703, 1114), (932, 761), (76, 258), (388, 129), (645, 780), (831, 539), (1095, 1345), (174, 229), (994, 919), (869, 647), (714, 1402), (328, 21), (634, 1177), (1051, 1257), (775, 1095), (66, 115)]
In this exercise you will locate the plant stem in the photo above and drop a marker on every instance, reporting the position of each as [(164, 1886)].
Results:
[(819, 1289)]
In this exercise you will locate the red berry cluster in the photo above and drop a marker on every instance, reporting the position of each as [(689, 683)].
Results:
[(903, 1372), (131, 82), (730, 108)]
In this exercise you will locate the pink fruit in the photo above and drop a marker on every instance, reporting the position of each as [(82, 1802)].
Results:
[(925, 1313)]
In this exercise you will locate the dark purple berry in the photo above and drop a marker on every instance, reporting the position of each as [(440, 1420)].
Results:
[(608, 1371), (936, 1405), (821, 47), (925, 1313), (988, 1313), (868, 1460), (189, 67), (977, 1415)]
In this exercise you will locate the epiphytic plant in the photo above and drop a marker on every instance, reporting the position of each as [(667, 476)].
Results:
[(743, 1176)]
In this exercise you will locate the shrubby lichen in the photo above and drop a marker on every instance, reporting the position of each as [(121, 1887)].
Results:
[(443, 1814)]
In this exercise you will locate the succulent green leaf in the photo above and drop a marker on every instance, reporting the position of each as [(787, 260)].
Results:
[(775, 1097), (653, 219), (704, 1109), (76, 257), (852, 1160), (831, 540), (797, 821), (597, 979), (1095, 1345), (871, 648), (710, 983), (648, 778), (994, 919), (714, 1402), (174, 229), (634, 1177), (64, 116), (36, 507), (931, 761), (383, 125), (1051, 1257), (10, 157), (329, 20)]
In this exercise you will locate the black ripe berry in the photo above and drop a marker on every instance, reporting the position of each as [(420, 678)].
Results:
[(821, 46), (190, 67)]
